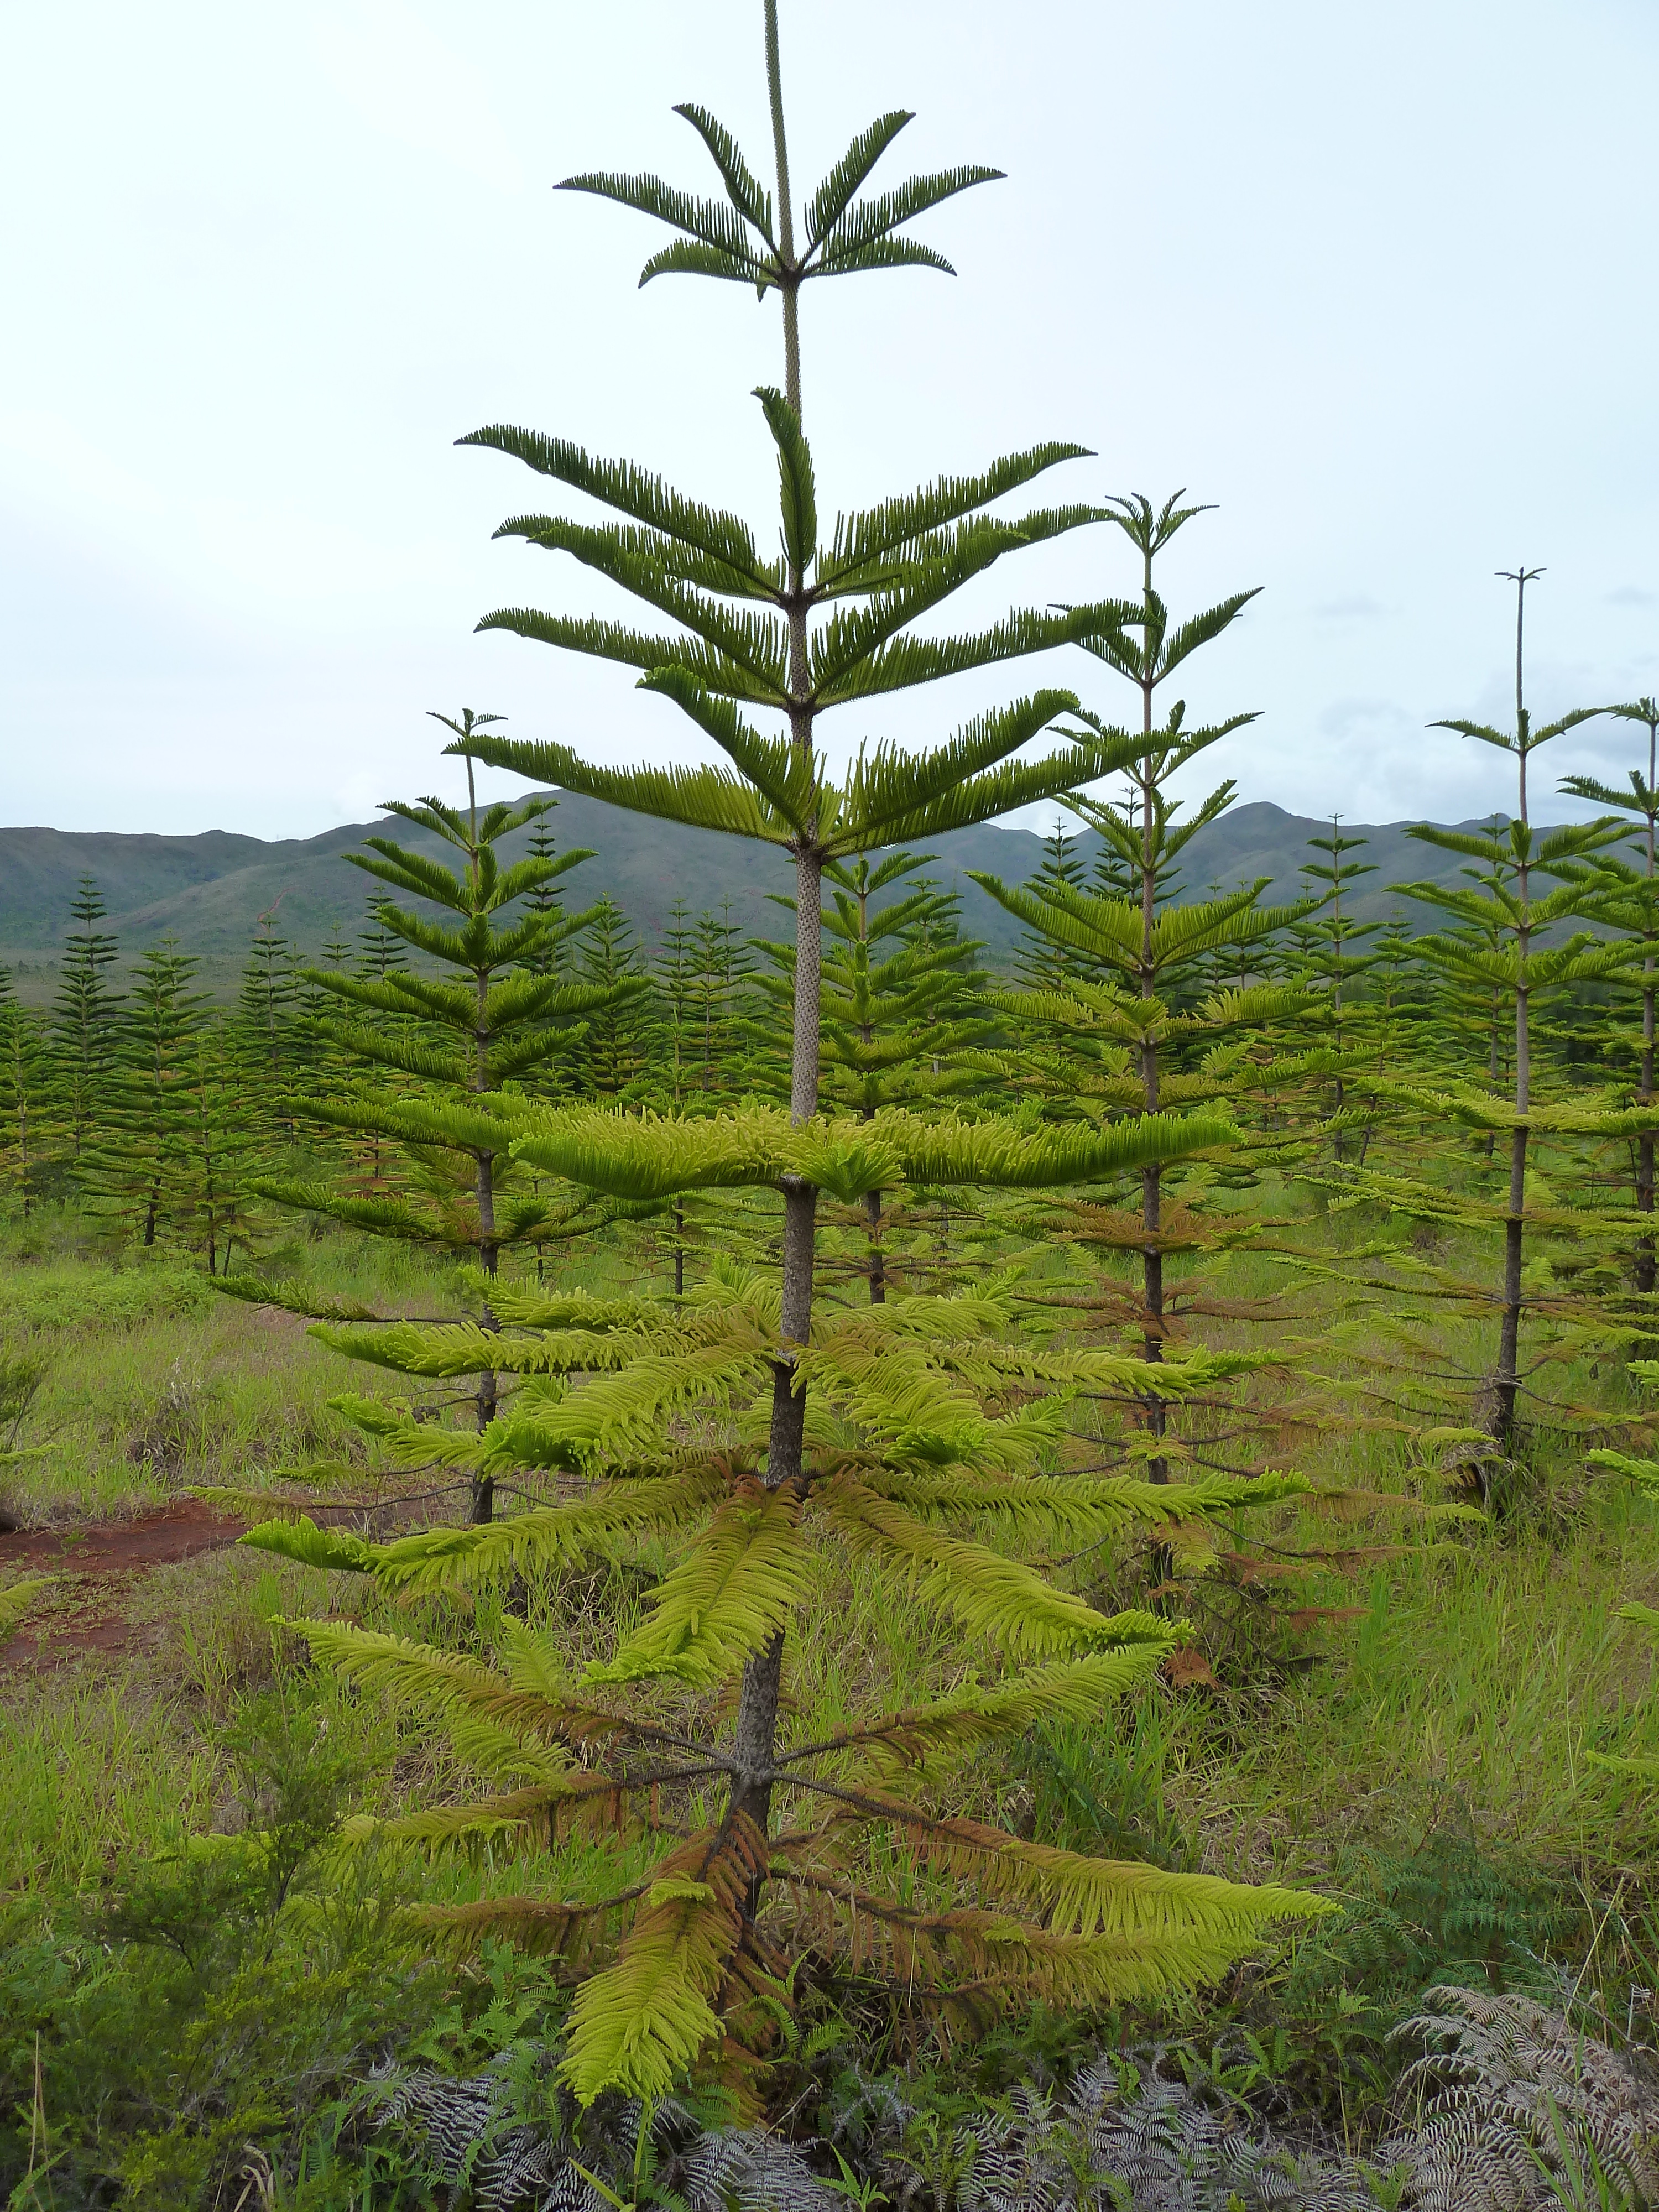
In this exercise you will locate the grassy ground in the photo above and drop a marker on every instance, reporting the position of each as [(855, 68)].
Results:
[(1430, 1765)]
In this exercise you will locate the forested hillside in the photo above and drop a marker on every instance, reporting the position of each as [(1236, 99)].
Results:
[(208, 892)]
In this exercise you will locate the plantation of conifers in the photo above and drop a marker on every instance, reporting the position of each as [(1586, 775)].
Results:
[(684, 1568)]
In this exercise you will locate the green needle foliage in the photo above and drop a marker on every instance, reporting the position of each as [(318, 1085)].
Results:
[(496, 1011), (1634, 909), (268, 1007), (896, 1027), (1333, 955), (27, 1099), (140, 1170), (929, 1424), (740, 1424), (86, 1013), (1502, 946), (1126, 1026)]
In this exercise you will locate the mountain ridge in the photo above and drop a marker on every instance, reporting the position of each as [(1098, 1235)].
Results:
[(209, 890)]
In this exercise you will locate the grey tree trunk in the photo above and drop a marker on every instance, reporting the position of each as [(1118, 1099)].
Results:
[(755, 1741)]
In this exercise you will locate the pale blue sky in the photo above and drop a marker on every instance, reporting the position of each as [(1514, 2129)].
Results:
[(1377, 279)]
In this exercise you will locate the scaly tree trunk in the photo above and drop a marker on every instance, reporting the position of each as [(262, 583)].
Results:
[(755, 1742), (486, 1399), (1645, 1247), (1152, 1178), (1507, 1382)]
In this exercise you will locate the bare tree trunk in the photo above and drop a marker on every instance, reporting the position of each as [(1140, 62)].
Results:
[(1645, 1246), (755, 1740), (878, 1258), (486, 1399), (1152, 1178)]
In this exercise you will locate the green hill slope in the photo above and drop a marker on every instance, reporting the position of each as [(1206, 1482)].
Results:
[(210, 890)]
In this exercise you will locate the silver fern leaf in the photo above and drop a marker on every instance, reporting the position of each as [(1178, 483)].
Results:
[(1518, 2109)]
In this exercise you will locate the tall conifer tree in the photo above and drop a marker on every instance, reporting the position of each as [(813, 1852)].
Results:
[(486, 1019), (138, 1169), (1634, 908), (1500, 942), (25, 1097), (1126, 1037), (86, 1015), (934, 1387)]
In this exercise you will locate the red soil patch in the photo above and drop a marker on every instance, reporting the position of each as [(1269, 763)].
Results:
[(97, 1563)]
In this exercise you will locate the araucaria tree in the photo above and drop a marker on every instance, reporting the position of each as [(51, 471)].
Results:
[(1633, 908), (1130, 1017), (898, 1008), (497, 1010), (1501, 943), (897, 1432)]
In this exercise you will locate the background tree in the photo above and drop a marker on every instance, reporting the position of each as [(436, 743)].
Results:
[(452, 1038), (221, 1146), (25, 1097), (1124, 1040), (1500, 946), (138, 1169), (85, 1017), (899, 1011), (268, 1008), (617, 1041), (1634, 908), (1334, 953)]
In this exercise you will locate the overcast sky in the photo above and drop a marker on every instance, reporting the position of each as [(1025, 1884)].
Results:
[(1378, 280)]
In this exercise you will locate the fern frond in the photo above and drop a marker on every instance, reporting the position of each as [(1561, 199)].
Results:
[(647, 1155), (632, 491), (1006, 1158), (871, 223), (867, 542), (439, 1826), (1010, 1957), (289, 1298), (401, 1667), (713, 669), (746, 194)]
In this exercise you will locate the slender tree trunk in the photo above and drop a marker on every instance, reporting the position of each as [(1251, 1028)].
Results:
[(1152, 1178), (486, 1400), (1509, 1339), (1508, 1380), (754, 1740), (878, 1258), (1645, 1247)]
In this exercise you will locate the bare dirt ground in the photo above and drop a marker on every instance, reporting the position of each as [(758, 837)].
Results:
[(99, 1564)]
